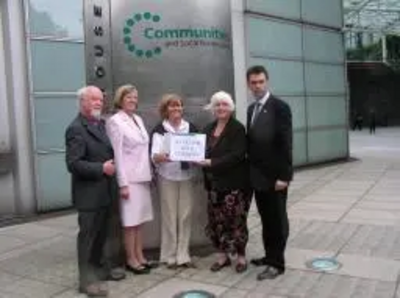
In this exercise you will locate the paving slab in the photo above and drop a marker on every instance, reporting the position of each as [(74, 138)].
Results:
[(332, 286), (295, 283), (174, 286), (369, 267), (32, 288), (9, 243), (373, 217), (375, 241), (349, 210), (318, 211), (323, 236)]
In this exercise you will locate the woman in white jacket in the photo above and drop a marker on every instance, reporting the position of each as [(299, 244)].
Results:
[(130, 142)]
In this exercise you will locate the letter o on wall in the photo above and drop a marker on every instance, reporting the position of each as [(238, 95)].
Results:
[(100, 72), (159, 34)]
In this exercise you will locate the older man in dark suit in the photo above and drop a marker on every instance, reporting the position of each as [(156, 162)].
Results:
[(269, 124), (89, 158)]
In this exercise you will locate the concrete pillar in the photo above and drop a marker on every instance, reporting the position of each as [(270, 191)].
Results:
[(239, 58), (7, 203), (19, 104)]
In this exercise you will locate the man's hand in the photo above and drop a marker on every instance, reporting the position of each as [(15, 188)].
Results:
[(109, 168), (160, 158), (124, 192), (281, 185)]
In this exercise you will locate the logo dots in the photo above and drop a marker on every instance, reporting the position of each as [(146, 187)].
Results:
[(129, 29)]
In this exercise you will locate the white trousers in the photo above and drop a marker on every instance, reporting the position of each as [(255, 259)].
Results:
[(176, 201)]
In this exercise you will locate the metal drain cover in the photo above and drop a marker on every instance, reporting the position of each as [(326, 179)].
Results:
[(195, 294), (323, 264)]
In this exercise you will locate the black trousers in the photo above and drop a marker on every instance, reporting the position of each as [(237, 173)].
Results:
[(114, 252), (92, 236), (271, 206)]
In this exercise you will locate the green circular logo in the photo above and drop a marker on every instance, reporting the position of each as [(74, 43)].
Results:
[(129, 29)]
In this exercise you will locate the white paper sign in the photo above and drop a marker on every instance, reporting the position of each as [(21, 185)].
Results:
[(187, 147)]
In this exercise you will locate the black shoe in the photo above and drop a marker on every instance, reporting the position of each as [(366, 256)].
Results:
[(217, 266), (150, 265), (269, 273), (138, 270), (259, 262)]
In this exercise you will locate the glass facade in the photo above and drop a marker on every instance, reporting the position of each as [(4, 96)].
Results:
[(301, 44), (55, 38)]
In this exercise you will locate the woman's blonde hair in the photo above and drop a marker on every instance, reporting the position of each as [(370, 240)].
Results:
[(121, 93), (166, 100)]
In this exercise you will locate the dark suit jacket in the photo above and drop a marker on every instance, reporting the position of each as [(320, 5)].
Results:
[(87, 148), (229, 167), (270, 144)]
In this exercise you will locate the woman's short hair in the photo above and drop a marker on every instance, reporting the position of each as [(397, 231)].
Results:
[(220, 96), (121, 93), (166, 100)]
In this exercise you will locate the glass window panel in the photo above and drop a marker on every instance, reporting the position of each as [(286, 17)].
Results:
[(325, 79), (322, 45), (297, 105), (326, 145), (324, 111), (328, 12), (278, 39), (288, 8), (53, 189), (52, 116), (57, 66), (58, 18), (299, 148), (286, 77)]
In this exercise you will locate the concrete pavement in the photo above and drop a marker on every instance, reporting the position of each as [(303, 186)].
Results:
[(350, 211)]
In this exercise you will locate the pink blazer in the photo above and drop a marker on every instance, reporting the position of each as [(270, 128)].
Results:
[(131, 148)]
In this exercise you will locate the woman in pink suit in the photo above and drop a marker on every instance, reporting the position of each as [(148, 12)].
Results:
[(130, 142)]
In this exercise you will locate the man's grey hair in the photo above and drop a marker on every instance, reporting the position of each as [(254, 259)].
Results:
[(82, 92)]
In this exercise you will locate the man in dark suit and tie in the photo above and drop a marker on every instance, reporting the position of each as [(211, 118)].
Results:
[(89, 158), (269, 127)]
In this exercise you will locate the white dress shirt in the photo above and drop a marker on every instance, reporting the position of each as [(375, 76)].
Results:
[(259, 105), (264, 99)]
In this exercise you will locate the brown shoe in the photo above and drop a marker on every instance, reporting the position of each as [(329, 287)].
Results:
[(95, 290)]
